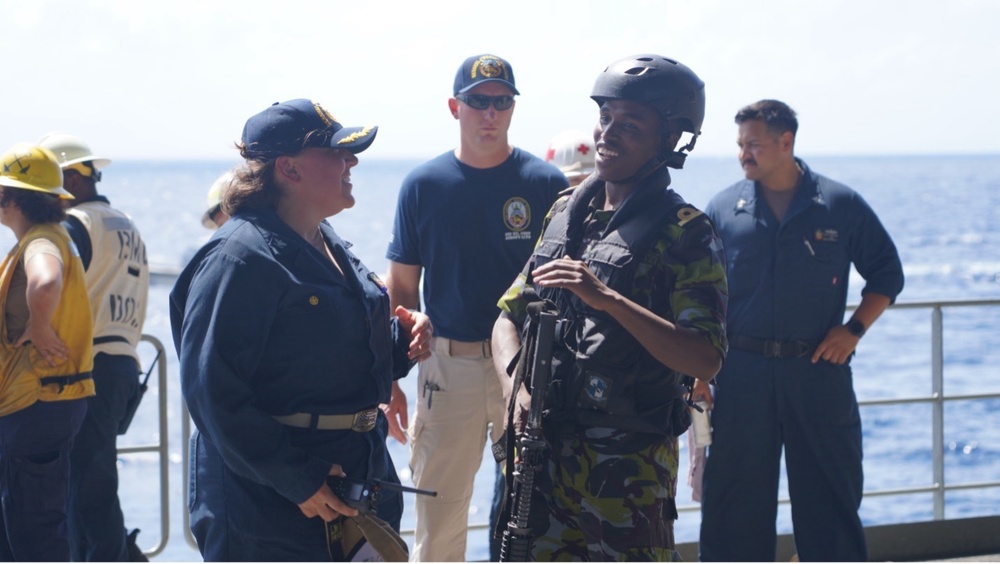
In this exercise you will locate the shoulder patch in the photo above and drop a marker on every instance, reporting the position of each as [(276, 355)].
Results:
[(686, 214)]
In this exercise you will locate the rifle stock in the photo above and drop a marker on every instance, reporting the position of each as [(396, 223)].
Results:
[(517, 538)]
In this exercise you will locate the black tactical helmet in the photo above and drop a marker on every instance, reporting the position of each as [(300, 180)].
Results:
[(666, 85)]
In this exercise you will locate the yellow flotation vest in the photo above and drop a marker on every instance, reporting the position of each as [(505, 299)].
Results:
[(25, 375)]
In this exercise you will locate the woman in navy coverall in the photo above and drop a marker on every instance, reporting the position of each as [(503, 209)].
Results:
[(274, 318)]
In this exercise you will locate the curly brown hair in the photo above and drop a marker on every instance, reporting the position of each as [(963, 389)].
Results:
[(37, 207)]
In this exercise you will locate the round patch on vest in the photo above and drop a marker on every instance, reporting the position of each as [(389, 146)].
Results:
[(598, 388)]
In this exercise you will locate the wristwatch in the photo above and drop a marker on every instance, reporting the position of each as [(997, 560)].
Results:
[(856, 328)]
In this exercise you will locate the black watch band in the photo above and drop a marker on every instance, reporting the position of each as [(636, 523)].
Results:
[(856, 328)]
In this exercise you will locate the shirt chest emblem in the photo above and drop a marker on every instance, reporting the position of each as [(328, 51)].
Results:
[(517, 218), (828, 235)]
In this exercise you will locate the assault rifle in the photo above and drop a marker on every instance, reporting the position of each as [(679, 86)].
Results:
[(537, 343)]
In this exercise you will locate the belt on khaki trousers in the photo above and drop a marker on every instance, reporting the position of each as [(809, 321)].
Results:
[(474, 349), (360, 422)]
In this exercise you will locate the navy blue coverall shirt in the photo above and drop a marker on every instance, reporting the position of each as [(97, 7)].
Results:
[(788, 282), (264, 326)]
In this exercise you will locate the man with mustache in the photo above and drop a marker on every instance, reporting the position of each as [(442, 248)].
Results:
[(790, 236), (639, 278), (466, 221)]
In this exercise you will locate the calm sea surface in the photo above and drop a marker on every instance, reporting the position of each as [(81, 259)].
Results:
[(943, 212)]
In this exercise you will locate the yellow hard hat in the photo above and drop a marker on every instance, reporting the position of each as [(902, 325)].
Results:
[(32, 167)]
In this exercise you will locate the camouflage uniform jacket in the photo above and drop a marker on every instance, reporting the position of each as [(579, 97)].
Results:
[(680, 276), (609, 492)]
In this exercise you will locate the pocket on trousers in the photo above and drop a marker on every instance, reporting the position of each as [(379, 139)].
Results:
[(41, 482), (450, 408)]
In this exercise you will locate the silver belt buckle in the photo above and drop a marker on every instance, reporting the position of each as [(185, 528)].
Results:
[(364, 421)]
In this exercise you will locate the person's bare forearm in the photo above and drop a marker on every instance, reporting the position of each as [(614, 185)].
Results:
[(678, 348), (505, 342)]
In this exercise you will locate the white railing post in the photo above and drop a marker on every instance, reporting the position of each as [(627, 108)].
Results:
[(937, 408)]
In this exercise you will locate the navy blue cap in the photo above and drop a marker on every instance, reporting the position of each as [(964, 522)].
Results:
[(282, 128), (478, 69)]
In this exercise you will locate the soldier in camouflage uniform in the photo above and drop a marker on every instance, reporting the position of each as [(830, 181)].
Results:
[(639, 277)]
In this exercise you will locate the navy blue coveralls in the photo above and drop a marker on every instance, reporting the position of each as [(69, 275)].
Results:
[(788, 282), (96, 523), (265, 325)]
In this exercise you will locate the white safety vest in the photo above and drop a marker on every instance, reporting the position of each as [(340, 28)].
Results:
[(117, 278)]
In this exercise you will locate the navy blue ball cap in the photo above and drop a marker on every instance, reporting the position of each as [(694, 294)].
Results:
[(282, 130), (478, 69)]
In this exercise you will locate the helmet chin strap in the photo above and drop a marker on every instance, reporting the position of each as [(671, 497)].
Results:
[(671, 158), (653, 165)]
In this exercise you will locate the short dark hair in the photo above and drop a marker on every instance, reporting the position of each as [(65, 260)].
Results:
[(778, 116), (37, 207)]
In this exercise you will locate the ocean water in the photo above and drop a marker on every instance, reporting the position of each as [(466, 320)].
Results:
[(943, 212)]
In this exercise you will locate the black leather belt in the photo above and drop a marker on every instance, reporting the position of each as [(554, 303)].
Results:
[(63, 381), (109, 339), (360, 422), (773, 349)]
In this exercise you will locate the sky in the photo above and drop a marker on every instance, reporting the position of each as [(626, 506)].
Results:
[(177, 79)]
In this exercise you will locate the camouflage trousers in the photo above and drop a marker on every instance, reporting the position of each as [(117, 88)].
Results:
[(609, 496)]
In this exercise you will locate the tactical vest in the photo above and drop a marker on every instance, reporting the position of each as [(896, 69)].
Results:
[(25, 375), (604, 377)]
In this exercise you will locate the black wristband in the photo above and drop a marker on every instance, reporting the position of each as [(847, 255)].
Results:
[(856, 328)]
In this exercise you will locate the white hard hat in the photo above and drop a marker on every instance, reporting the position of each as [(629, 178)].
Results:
[(214, 199), (572, 152), (70, 150)]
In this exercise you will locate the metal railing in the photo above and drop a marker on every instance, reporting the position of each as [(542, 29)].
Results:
[(159, 447), (937, 398)]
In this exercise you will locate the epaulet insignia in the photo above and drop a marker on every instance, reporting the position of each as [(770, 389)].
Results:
[(566, 191), (686, 214)]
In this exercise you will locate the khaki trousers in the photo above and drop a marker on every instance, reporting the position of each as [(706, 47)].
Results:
[(458, 398)]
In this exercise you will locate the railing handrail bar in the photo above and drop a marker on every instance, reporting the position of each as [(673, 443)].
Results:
[(938, 487), (162, 448)]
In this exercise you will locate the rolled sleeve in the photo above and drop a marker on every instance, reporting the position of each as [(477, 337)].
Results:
[(700, 296)]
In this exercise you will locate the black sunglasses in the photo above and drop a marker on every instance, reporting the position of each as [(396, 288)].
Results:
[(481, 102)]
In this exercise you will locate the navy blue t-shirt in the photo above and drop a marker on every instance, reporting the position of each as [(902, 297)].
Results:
[(472, 230)]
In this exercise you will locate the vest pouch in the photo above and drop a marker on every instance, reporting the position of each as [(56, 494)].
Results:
[(548, 251), (599, 387), (598, 394), (680, 417), (609, 261)]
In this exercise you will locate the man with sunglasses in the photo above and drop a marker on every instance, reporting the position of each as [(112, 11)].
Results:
[(466, 220), (117, 275)]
